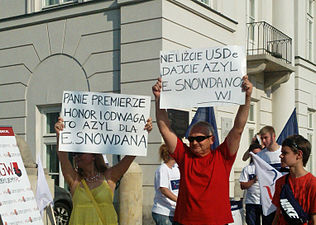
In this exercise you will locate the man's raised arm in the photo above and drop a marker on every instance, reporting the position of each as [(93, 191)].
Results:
[(163, 123), (234, 136)]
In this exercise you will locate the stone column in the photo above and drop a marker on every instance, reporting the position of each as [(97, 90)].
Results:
[(283, 98), (131, 196)]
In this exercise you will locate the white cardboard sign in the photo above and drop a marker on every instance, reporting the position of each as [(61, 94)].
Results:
[(17, 201), (104, 123), (202, 77)]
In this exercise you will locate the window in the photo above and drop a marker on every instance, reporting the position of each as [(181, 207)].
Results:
[(251, 123), (179, 121), (310, 119), (251, 116), (310, 7), (309, 28), (49, 116), (251, 133), (309, 165), (251, 18), (310, 132), (309, 39), (209, 3), (47, 3)]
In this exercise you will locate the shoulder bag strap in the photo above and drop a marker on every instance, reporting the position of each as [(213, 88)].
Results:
[(93, 201)]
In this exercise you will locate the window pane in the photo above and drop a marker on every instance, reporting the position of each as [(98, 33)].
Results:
[(52, 163), (207, 2), (252, 8), (51, 2), (251, 133), (310, 7), (251, 113), (310, 27), (310, 37), (51, 119), (309, 165), (179, 121), (251, 18)]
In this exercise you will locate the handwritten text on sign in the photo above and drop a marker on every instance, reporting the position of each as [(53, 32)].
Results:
[(202, 77), (104, 123)]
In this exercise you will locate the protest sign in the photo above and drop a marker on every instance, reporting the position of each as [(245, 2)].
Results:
[(104, 123), (202, 77), (17, 202)]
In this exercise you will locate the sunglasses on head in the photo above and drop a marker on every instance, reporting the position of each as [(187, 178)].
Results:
[(198, 138)]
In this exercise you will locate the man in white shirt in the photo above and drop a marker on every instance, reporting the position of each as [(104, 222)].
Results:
[(271, 154)]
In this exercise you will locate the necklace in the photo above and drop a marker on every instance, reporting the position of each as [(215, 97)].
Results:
[(92, 179)]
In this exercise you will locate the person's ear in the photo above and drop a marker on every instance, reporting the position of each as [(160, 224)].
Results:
[(300, 154)]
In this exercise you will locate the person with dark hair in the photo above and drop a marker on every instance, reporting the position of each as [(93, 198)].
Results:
[(92, 184), (255, 140), (167, 180), (204, 182), (294, 154), (249, 182)]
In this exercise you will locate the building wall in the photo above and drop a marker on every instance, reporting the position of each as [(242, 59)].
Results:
[(11, 8), (305, 83), (113, 46), (44, 54)]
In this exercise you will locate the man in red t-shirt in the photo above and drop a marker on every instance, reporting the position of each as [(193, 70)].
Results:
[(204, 182)]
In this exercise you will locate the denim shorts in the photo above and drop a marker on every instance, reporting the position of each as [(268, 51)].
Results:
[(162, 219)]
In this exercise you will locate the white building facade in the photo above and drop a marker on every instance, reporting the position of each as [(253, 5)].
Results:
[(48, 46)]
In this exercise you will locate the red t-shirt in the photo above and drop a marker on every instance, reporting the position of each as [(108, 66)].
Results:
[(204, 186), (304, 190)]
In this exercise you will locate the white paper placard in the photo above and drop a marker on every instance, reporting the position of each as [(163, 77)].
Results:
[(17, 201), (202, 77), (104, 123)]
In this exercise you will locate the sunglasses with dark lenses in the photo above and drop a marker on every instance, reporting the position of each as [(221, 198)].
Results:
[(198, 138)]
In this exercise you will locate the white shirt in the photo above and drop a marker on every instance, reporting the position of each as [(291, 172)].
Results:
[(252, 193), (168, 178), (273, 158)]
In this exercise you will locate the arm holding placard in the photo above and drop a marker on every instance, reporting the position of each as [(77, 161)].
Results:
[(67, 169), (234, 136), (113, 174), (163, 123)]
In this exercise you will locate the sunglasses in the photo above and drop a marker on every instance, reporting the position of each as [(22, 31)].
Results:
[(291, 143), (198, 138)]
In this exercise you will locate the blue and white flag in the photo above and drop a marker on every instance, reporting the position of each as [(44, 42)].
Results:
[(205, 114), (43, 196), (290, 128), (267, 177)]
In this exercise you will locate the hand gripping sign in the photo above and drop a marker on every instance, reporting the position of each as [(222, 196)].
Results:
[(104, 123), (202, 77)]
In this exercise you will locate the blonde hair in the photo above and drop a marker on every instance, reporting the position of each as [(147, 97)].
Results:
[(267, 129), (164, 153)]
